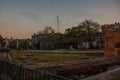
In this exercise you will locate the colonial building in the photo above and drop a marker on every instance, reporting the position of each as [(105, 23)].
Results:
[(43, 39), (18, 43), (39, 41)]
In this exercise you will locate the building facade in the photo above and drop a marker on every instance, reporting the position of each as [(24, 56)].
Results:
[(111, 27), (44, 39), (112, 39), (19, 44), (112, 44)]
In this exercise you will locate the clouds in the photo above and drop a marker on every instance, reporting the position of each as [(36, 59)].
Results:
[(31, 16), (24, 17), (16, 26), (118, 5)]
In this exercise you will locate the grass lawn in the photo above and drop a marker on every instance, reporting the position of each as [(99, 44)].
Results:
[(46, 59)]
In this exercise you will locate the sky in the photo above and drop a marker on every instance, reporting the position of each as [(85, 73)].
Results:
[(21, 18)]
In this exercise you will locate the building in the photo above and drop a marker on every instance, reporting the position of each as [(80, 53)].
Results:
[(43, 39), (111, 27), (39, 41), (2, 43), (112, 44), (20, 44), (112, 39), (78, 37)]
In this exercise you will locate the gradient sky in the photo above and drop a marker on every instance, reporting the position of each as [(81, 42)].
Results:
[(21, 18)]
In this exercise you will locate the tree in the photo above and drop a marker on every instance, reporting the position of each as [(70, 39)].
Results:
[(75, 35), (90, 28), (48, 30)]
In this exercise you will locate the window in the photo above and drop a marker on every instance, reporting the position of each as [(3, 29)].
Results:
[(118, 45)]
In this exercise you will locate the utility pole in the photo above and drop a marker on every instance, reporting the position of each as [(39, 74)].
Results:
[(58, 21)]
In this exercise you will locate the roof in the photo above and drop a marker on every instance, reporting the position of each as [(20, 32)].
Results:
[(114, 30)]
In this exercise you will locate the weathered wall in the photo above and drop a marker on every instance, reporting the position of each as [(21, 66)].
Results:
[(112, 38)]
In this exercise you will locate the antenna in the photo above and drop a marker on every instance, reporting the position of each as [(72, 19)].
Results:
[(58, 22)]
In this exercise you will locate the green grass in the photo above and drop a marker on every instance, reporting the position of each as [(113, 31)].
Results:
[(46, 59)]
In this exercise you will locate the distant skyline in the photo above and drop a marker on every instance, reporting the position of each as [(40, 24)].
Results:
[(21, 18)]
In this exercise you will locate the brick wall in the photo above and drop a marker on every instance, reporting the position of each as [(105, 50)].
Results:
[(112, 44)]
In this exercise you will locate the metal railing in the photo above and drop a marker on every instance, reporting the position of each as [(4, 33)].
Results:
[(18, 72)]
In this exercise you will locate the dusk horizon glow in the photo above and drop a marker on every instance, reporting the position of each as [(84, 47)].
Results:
[(21, 18)]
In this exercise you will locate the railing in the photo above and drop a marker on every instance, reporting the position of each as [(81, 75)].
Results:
[(18, 72)]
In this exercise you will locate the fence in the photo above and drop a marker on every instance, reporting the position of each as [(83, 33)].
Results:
[(18, 72)]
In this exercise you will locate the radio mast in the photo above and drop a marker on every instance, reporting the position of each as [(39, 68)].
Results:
[(58, 22)]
